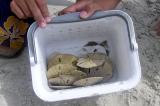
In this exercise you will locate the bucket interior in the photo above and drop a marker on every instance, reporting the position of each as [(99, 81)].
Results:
[(69, 37)]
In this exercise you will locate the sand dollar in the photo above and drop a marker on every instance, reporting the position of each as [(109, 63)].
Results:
[(91, 60), (62, 59), (68, 78), (62, 80), (59, 69), (78, 74), (88, 81), (107, 69)]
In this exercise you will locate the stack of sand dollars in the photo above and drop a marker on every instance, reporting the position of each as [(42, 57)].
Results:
[(67, 70)]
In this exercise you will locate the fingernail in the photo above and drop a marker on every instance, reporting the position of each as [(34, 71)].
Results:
[(84, 14), (48, 19), (43, 24)]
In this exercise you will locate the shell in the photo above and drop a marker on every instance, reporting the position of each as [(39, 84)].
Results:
[(63, 80), (91, 60), (59, 69), (88, 81), (62, 59)]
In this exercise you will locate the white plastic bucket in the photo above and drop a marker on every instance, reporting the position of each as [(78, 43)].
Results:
[(69, 31)]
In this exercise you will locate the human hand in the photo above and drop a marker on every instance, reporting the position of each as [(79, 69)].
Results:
[(31, 8), (89, 7)]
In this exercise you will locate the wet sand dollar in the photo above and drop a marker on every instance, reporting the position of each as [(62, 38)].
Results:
[(68, 78), (62, 59), (63, 80), (107, 69), (88, 81), (78, 74), (59, 69), (91, 60)]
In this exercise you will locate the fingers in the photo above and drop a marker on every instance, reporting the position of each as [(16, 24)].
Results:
[(89, 7), (69, 9), (89, 10), (85, 7), (36, 13), (42, 4), (31, 8), (24, 8), (15, 9), (78, 6)]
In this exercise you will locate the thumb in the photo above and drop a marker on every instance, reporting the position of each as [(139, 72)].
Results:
[(67, 10), (76, 7), (89, 10), (73, 8)]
